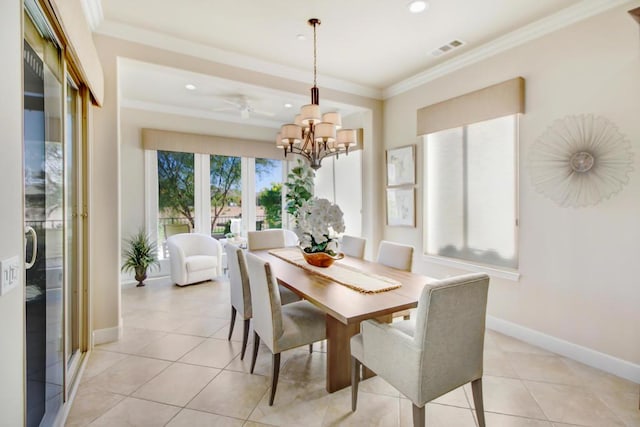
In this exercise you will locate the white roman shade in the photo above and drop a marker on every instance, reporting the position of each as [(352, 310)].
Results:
[(495, 101)]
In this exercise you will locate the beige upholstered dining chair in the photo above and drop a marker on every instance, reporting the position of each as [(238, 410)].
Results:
[(281, 327), (353, 246), (439, 352), (241, 292), (395, 255), (266, 239)]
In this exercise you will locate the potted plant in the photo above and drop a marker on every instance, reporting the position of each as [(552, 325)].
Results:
[(140, 255), (318, 222), (299, 187)]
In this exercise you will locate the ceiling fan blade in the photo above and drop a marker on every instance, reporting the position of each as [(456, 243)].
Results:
[(232, 102), (225, 109), (264, 113)]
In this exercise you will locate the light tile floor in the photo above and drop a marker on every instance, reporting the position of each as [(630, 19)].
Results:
[(175, 367)]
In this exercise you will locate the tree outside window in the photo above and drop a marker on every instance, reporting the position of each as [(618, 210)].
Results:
[(176, 187)]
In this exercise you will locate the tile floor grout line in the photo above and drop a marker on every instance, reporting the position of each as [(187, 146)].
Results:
[(206, 385), (180, 305)]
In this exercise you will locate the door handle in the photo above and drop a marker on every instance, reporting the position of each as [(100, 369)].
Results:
[(30, 231)]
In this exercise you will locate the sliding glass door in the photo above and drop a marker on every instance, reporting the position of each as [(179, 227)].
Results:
[(54, 167)]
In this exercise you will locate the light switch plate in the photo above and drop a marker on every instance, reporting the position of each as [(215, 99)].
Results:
[(10, 274)]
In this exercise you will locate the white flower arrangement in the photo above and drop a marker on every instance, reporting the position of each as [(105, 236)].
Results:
[(318, 222)]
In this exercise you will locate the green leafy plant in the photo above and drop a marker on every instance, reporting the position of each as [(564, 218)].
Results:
[(140, 254), (271, 200), (299, 187)]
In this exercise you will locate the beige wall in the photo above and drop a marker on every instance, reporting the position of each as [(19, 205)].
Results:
[(104, 218), (11, 226), (112, 161), (579, 267)]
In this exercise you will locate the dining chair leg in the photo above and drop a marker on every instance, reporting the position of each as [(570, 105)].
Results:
[(310, 348), (275, 372), (233, 322), (355, 380), (256, 344), (418, 416), (245, 337), (476, 388)]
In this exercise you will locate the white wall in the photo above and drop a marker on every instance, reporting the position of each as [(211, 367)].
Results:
[(579, 267), (11, 226)]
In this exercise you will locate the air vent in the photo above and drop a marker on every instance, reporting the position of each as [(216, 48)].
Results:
[(453, 44)]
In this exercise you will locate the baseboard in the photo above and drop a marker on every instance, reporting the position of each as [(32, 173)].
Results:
[(596, 359), (102, 336)]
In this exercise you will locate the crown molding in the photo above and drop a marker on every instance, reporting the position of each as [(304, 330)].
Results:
[(200, 114), (578, 12), (174, 44), (93, 12)]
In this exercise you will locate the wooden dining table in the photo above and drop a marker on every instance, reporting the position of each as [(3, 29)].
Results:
[(345, 308)]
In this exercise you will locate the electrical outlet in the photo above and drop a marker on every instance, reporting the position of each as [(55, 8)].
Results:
[(10, 274)]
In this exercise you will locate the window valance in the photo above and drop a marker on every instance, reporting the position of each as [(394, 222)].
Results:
[(489, 103), (165, 140)]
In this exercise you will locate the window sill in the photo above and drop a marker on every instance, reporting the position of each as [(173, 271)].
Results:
[(503, 273)]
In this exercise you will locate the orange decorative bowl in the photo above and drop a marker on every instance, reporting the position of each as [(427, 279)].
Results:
[(321, 259)]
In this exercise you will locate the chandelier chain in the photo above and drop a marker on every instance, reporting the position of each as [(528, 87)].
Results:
[(315, 55)]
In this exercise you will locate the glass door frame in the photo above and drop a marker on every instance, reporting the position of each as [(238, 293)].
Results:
[(73, 362)]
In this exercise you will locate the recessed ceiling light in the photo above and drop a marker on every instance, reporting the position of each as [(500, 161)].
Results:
[(190, 86), (288, 105), (301, 37), (417, 6)]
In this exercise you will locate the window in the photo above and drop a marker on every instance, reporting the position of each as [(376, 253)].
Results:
[(176, 189), (226, 192), (195, 192), (470, 202), (268, 175)]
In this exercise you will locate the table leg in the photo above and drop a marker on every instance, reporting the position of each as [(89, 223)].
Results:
[(339, 353)]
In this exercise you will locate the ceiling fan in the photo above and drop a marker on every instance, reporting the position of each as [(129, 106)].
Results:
[(243, 105)]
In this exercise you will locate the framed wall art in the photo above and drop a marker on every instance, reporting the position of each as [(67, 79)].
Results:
[(401, 207), (401, 166)]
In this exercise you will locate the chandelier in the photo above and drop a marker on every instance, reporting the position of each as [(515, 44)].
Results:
[(312, 135)]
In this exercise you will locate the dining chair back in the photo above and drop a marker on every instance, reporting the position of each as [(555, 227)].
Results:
[(266, 239), (353, 246), (395, 255)]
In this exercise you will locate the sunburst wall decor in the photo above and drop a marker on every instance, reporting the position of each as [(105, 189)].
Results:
[(580, 161)]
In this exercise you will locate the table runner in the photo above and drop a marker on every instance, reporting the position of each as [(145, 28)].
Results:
[(358, 280)]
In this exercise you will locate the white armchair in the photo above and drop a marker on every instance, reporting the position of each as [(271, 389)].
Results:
[(439, 352), (194, 258)]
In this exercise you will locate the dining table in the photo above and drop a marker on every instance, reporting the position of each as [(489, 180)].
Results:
[(345, 307)]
